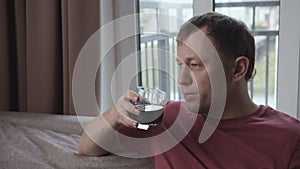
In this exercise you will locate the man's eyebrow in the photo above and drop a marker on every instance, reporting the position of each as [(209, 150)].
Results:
[(188, 59)]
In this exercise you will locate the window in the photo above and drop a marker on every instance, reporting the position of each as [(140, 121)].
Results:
[(159, 22), (262, 17)]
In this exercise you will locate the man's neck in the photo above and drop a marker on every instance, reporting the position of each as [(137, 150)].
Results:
[(239, 111), (238, 105)]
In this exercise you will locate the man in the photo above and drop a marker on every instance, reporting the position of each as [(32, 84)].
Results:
[(246, 136)]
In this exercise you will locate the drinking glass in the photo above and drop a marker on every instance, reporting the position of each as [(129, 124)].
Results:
[(152, 104)]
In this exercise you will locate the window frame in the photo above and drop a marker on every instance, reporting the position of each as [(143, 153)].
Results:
[(288, 77)]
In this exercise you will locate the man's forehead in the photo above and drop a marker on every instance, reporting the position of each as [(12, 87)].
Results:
[(198, 44), (197, 39)]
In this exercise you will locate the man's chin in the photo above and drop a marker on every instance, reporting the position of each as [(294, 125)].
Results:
[(193, 107)]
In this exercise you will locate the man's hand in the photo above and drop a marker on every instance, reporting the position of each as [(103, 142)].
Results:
[(124, 106)]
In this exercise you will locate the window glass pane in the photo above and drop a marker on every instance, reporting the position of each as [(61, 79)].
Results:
[(267, 18), (262, 18), (157, 65), (240, 13)]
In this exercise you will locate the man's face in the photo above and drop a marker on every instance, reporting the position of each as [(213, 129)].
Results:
[(195, 60), (193, 79)]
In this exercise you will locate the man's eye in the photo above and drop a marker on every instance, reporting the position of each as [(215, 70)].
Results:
[(194, 66)]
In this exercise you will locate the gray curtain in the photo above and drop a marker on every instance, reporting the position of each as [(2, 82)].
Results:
[(39, 43)]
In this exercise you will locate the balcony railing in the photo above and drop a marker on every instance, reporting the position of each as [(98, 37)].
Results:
[(158, 59)]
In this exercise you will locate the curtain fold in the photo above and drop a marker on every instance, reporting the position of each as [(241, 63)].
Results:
[(39, 45), (4, 59)]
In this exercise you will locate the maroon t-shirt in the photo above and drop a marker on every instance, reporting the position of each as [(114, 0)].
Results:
[(265, 139)]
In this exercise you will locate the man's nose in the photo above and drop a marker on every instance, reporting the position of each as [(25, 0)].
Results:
[(184, 77)]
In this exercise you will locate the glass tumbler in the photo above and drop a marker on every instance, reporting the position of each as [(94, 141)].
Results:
[(152, 104)]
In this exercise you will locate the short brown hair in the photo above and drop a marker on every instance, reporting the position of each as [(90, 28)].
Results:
[(230, 37)]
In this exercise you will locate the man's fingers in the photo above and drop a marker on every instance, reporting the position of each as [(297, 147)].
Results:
[(129, 107), (134, 97), (144, 100), (129, 122), (126, 105)]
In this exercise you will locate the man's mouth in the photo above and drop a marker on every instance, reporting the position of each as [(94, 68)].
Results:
[(189, 95)]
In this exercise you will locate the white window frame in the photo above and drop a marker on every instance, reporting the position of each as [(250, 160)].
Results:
[(288, 79), (202, 6)]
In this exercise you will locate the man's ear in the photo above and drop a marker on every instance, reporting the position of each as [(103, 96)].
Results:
[(241, 65)]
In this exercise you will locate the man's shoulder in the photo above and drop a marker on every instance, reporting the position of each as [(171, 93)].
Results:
[(280, 116), (283, 121)]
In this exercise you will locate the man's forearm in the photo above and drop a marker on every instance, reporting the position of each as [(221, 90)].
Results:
[(97, 134)]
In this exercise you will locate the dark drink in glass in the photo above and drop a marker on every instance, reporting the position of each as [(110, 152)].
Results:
[(150, 116), (152, 105)]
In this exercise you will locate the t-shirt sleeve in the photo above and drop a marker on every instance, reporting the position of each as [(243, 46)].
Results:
[(295, 160)]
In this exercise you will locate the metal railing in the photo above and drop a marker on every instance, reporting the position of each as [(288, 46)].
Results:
[(158, 68), (158, 65)]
